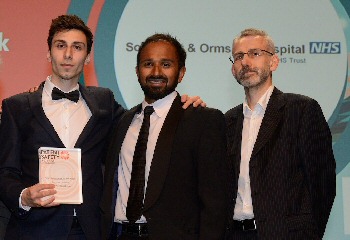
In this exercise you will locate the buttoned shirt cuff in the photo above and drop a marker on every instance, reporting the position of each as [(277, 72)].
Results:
[(20, 202)]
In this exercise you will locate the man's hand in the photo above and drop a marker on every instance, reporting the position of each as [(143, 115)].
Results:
[(39, 195), (33, 89), (196, 101)]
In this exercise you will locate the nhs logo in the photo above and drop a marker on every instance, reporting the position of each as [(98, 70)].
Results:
[(324, 47)]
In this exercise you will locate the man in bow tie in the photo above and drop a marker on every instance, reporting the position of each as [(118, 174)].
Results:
[(60, 114)]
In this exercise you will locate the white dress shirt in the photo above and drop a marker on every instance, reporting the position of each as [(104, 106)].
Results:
[(67, 118), (251, 125), (161, 109)]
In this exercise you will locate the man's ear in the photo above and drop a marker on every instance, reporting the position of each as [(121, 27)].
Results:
[(87, 60), (137, 71), (181, 74), (274, 62), (48, 56), (233, 70)]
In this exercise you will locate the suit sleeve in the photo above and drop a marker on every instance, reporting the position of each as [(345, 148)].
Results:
[(318, 162), (212, 176), (117, 113), (10, 165)]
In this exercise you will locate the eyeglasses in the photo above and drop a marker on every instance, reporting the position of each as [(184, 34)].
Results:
[(252, 53)]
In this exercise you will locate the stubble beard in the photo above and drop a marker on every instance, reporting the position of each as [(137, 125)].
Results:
[(252, 81)]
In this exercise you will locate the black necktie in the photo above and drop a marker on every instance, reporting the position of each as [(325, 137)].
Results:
[(58, 94), (137, 182)]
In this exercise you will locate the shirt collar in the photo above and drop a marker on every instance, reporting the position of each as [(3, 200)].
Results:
[(161, 106), (49, 85), (261, 105)]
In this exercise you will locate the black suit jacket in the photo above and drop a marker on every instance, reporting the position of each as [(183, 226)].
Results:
[(23, 130), (292, 167), (4, 214), (185, 196)]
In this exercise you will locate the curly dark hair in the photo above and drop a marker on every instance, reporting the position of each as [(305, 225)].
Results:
[(181, 53), (69, 22)]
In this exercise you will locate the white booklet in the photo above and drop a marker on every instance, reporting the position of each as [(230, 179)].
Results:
[(62, 167)]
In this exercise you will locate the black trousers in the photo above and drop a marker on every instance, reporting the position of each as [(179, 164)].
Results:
[(242, 235), (76, 232), (117, 234)]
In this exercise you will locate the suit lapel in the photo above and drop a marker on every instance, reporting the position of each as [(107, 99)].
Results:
[(123, 127), (234, 124), (92, 103), (270, 121), (237, 142), (162, 153), (114, 150), (35, 102)]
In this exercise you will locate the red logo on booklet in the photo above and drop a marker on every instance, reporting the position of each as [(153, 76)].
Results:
[(64, 155)]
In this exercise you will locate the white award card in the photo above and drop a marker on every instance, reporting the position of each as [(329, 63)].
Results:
[(62, 167)]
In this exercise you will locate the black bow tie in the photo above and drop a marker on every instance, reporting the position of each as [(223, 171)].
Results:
[(58, 94)]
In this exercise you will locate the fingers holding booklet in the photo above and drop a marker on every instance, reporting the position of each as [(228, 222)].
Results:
[(39, 195)]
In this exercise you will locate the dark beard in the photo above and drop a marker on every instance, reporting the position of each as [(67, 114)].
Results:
[(158, 93)]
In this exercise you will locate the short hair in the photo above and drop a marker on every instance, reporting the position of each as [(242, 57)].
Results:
[(181, 53), (257, 32), (66, 23)]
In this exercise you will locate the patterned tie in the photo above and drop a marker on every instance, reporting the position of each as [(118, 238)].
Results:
[(137, 182), (58, 94)]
